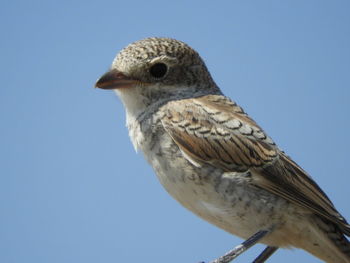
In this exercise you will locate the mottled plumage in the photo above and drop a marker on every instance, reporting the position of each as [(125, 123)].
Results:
[(213, 158)]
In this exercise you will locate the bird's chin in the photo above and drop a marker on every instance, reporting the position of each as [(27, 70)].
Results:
[(133, 101), (125, 92)]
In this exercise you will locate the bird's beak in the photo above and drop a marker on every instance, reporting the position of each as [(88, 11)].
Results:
[(114, 79)]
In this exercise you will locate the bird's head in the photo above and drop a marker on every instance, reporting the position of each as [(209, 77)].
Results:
[(156, 69)]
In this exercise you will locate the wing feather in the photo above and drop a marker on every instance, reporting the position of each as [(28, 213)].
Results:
[(212, 129)]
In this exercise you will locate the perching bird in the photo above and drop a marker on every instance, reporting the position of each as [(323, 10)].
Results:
[(214, 159)]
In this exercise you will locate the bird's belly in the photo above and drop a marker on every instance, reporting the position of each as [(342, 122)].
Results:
[(225, 200)]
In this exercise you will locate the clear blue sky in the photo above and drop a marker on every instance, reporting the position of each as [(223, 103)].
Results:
[(72, 189)]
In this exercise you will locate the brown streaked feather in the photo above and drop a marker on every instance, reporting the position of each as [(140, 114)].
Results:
[(213, 129)]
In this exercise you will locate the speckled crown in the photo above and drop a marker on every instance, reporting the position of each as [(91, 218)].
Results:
[(136, 56)]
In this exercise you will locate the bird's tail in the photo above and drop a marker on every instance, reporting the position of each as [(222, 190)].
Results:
[(328, 242)]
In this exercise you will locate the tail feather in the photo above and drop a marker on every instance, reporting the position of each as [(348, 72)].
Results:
[(331, 244)]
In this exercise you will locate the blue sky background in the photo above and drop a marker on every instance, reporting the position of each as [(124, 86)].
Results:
[(72, 189)]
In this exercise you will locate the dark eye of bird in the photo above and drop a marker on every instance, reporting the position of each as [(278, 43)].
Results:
[(158, 70)]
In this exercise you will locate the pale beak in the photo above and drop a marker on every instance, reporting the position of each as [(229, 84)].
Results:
[(115, 79)]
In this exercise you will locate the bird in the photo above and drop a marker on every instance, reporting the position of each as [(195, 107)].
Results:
[(216, 160)]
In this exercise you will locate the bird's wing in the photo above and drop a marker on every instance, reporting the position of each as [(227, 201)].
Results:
[(214, 130)]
